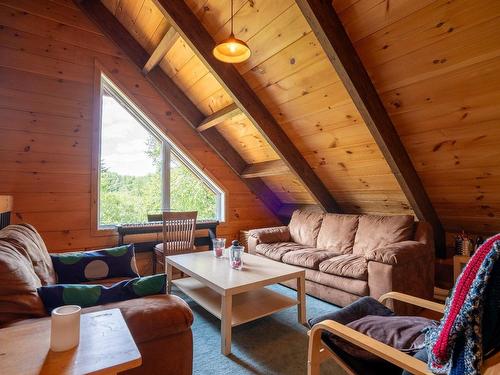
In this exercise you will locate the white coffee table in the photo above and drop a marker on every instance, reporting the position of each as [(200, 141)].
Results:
[(236, 297)]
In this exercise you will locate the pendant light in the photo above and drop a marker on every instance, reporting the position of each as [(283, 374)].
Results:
[(232, 50)]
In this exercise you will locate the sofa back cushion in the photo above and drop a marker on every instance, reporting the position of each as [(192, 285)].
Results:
[(379, 231), (18, 284), (337, 233), (32, 247), (304, 227)]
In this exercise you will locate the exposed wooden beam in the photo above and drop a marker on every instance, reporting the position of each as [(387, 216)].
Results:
[(332, 36), (161, 50), (266, 168), (218, 117), (192, 31), (114, 30)]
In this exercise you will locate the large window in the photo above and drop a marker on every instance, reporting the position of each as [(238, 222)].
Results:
[(142, 172)]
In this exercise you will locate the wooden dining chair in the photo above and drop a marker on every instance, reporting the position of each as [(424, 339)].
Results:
[(178, 236)]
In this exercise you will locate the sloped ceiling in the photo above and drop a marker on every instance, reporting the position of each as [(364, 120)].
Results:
[(434, 64)]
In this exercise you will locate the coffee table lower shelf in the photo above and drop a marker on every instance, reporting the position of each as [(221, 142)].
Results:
[(247, 306)]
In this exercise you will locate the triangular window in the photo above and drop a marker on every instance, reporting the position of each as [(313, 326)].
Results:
[(142, 172)]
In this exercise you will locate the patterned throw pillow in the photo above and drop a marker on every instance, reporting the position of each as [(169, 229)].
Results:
[(86, 295), (72, 268)]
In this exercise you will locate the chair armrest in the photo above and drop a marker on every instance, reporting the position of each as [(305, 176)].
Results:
[(420, 302), (399, 253), (271, 235), (386, 352)]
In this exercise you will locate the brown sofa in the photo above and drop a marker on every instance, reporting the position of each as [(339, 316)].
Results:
[(350, 256), (160, 324)]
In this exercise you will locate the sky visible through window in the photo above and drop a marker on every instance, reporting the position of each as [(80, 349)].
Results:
[(124, 141), (131, 182)]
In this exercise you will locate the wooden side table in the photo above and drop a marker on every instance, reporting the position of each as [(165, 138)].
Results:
[(459, 262), (106, 347)]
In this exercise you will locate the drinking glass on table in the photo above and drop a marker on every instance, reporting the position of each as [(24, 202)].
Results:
[(219, 244), (236, 256)]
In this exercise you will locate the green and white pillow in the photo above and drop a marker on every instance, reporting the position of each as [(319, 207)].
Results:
[(86, 266)]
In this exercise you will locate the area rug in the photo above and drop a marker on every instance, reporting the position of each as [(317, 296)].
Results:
[(276, 344)]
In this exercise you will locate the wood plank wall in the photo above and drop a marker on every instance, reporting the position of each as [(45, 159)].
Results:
[(48, 51), (436, 66)]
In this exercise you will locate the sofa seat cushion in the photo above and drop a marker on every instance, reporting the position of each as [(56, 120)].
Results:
[(346, 284), (379, 231), (337, 233), (304, 227), (275, 251), (153, 317), (347, 265), (307, 258)]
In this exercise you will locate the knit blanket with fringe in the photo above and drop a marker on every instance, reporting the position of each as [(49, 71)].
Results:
[(455, 346)]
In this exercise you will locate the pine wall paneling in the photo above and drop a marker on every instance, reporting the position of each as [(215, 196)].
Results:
[(436, 67), (46, 103)]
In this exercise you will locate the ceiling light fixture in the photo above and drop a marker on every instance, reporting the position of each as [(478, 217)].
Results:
[(232, 50)]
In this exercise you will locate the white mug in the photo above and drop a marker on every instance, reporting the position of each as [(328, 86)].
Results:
[(65, 328)]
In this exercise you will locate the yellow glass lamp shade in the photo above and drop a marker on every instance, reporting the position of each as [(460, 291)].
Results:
[(232, 50)]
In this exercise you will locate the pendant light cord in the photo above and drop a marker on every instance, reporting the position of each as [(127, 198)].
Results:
[(232, 17)]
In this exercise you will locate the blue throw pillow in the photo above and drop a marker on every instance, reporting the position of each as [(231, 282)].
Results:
[(86, 295), (72, 268)]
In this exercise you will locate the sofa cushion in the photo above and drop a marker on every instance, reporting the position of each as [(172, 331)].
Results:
[(337, 233), (18, 284), (404, 333), (378, 231), (304, 227), (270, 235), (86, 295), (346, 284), (276, 250), (307, 258), (152, 317), (76, 267), (346, 265), (30, 245)]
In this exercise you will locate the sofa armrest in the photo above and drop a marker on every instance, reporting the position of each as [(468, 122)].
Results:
[(399, 253), (271, 235), (267, 235), (152, 317)]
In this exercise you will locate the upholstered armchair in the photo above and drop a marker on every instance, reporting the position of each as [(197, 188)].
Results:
[(367, 338)]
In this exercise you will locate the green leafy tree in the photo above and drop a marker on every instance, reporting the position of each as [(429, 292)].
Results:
[(129, 199)]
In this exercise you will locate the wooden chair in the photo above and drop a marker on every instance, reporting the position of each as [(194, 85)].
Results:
[(319, 352), (178, 236)]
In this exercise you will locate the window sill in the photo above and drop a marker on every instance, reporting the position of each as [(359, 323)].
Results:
[(104, 231)]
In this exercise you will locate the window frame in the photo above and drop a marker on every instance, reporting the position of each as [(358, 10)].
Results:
[(103, 83)]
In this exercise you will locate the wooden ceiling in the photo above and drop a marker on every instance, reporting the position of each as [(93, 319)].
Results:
[(434, 64)]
